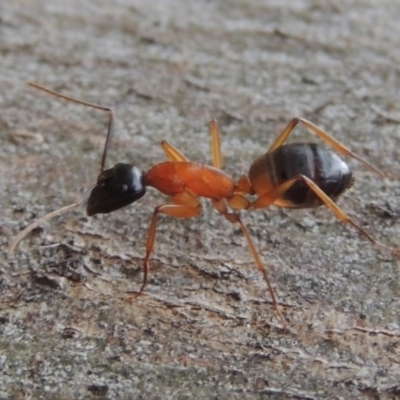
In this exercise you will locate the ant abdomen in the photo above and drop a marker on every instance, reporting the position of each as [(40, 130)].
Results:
[(323, 166)]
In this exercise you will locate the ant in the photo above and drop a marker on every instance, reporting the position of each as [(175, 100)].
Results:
[(296, 175)]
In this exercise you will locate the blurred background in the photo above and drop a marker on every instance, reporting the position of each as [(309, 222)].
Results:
[(205, 327)]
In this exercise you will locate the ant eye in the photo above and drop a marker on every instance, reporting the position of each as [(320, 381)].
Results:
[(123, 187)]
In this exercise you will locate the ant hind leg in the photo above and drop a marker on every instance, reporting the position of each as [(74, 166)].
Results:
[(339, 147)]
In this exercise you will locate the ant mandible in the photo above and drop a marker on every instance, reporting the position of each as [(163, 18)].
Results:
[(296, 175)]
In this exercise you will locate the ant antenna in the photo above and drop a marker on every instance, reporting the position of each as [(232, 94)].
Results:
[(17, 239), (65, 209), (91, 105)]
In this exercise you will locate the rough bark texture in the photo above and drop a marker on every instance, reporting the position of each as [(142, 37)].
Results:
[(205, 327)]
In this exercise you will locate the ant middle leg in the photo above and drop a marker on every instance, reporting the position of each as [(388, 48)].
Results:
[(243, 186), (233, 218), (339, 147)]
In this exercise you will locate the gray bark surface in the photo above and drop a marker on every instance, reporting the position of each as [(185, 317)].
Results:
[(205, 327)]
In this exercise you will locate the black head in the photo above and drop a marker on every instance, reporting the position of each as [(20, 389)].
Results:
[(116, 188)]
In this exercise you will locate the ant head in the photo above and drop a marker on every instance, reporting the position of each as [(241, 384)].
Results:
[(116, 188)]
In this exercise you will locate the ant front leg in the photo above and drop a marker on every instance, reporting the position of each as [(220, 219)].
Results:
[(173, 154), (188, 206), (215, 144), (339, 147)]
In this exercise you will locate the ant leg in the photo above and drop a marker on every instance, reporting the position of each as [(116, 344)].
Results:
[(339, 147), (91, 105), (173, 154), (244, 186), (221, 207), (238, 201), (270, 197), (215, 144), (175, 210)]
